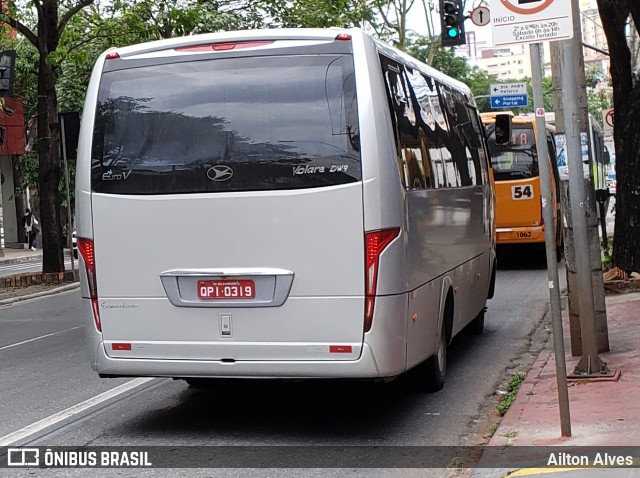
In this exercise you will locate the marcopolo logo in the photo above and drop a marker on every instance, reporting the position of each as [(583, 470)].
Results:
[(220, 173), (23, 457)]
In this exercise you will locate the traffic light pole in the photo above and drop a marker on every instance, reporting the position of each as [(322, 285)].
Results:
[(550, 239)]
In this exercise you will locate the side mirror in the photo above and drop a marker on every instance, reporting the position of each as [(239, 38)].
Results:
[(503, 129)]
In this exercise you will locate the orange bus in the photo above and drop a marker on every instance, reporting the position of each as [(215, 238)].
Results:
[(517, 182)]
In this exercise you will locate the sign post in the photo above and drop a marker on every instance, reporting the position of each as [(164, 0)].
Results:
[(535, 21)]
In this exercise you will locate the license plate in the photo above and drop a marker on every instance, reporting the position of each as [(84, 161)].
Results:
[(226, 289)]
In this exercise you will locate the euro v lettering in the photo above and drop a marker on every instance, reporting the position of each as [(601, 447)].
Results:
[(111, 176)]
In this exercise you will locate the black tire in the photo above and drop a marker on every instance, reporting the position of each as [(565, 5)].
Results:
[(476, 326), (430, 375)]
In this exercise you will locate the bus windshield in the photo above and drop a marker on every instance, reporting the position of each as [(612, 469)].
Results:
[(516, 160)]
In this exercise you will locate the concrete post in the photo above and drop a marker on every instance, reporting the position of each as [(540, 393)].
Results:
[(582, 120), (590, 364)]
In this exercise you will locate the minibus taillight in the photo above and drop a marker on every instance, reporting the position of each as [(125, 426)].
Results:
[(85, 246), (375, 243), (113, 55)]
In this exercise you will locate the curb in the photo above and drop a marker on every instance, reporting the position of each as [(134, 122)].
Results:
[(45, 293)]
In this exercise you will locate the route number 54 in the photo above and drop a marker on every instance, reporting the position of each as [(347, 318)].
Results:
[(522, 192)]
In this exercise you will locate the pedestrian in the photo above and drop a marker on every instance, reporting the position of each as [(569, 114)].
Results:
[(31, 230)]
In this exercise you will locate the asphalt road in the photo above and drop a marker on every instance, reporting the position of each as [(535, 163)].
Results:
[(44, 371)]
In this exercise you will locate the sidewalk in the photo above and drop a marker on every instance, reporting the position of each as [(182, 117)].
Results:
[(35, 284), (13, 256), (603, 413)]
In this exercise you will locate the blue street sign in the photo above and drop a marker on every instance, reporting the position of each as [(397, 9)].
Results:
[(509, 101)]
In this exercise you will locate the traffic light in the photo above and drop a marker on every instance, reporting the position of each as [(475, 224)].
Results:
[(452, 23)]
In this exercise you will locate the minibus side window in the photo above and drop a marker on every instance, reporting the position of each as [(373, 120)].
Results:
[(415, 126), (458, 155), (482, 164)]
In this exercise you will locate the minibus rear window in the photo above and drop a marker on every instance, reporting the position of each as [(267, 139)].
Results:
[(233, 124)]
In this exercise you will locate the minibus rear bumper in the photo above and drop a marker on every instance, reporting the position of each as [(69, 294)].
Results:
[(364, 367), (383, 355)]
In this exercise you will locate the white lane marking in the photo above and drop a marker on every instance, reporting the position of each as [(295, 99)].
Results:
[(71, 411), (39, 338)]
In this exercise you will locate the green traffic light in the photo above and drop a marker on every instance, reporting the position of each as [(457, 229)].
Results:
[(453, 33)]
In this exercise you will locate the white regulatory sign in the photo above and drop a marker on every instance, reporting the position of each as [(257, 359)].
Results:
[(607, 116), (503, 89), (480, 16), (530, 21)]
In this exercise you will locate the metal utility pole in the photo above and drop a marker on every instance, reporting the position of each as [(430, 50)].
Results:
[(578, 84), (550, 239), (590, 364)]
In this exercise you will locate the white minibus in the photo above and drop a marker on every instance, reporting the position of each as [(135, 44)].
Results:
[(280, 204)]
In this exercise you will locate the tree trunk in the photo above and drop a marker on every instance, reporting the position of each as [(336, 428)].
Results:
[(626, 246), (49, 170), (626, 103)]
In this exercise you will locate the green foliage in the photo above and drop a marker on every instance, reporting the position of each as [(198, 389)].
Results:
[(607, 257), (598, 101), (593, 76), (428, 50), (317, 13), (512, 392), (480, 82), (28, 166)]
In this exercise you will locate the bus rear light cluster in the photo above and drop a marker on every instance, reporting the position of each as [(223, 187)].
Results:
[(375, 243), (85, 246)]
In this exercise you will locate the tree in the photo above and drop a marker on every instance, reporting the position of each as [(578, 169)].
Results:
[(316, 13), (626, 103), (394, 20), (48, 25)]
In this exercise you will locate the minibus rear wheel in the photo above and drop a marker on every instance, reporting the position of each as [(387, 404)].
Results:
[(430, 375)]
